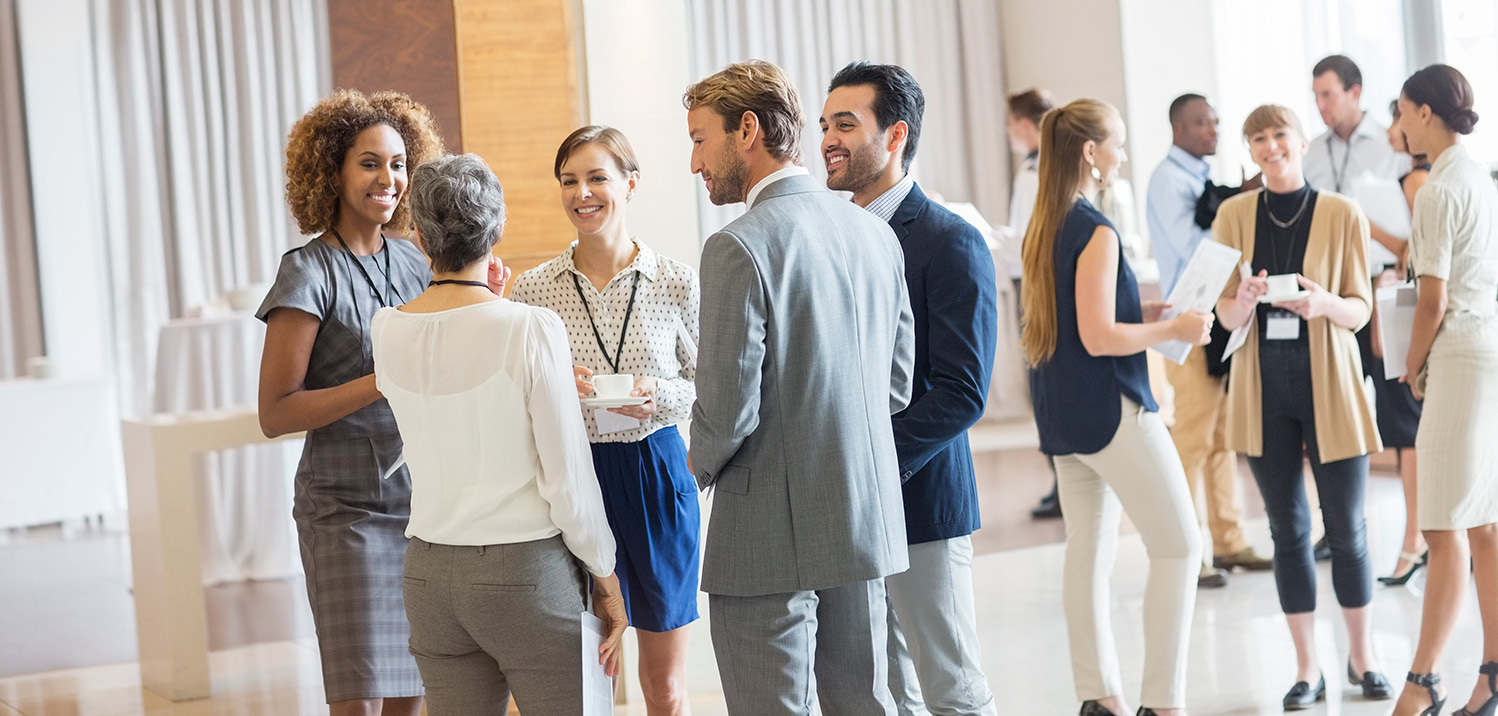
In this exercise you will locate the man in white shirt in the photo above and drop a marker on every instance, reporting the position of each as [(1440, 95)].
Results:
[(1200, 420), (1353, 144)]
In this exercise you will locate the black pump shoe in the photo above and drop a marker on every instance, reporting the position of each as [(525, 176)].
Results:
[(1145, 712), (1093, 708), (1489, 707), (1375, 686), (1303, 696), (1429, 681)]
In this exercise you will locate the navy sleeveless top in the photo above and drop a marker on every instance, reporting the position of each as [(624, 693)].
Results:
[(1076, 395)]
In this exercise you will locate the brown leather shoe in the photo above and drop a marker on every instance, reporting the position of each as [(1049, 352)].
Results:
[(1212, 578), (1246, 559)]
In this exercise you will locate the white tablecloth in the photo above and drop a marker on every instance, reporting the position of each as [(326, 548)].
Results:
[(61, 444), (1009, 388), (246, 531)]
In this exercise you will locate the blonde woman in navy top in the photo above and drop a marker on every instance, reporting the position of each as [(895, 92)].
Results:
[(1085, 331)]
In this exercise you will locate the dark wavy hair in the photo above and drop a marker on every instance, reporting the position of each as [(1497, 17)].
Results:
[(318, 142)]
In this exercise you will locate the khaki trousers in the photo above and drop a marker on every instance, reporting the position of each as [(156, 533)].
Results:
[(1200, 439)]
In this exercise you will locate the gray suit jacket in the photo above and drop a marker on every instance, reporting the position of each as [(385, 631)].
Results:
[(807, 350)]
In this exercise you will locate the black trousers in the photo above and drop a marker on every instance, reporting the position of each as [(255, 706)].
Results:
[(1289, 437)]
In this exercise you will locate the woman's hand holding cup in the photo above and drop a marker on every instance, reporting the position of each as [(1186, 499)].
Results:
[(1250, 289), (580, 375)]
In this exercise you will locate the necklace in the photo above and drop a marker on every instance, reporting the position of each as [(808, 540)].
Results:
[(389, 282), (1304, 202), (458, 282)]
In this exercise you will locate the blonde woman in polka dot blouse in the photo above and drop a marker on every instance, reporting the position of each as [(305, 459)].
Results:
[(630, 310)]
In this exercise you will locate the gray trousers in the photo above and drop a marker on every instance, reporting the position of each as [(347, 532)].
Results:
[(933, 630), (779, 651), (486, 621)]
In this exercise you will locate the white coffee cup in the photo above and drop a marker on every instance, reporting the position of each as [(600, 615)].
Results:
[(613, 386), (1283, 284)]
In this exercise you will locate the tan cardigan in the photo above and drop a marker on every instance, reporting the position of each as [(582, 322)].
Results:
[(1337, 259)]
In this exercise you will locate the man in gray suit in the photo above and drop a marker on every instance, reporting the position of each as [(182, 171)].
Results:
[(806, 351)]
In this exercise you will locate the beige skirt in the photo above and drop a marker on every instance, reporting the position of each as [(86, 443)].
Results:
[(1458, 436)]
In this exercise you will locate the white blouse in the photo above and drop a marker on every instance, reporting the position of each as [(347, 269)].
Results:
[(1453, 233), (488, 411), (663, 331)]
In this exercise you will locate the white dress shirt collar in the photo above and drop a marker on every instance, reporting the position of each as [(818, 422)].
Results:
[(771, 179), (645, 262)]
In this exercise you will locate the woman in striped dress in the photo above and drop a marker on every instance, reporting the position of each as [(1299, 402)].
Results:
[(1454, 251), (346, 166)]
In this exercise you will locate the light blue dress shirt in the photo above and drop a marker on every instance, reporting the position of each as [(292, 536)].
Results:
[(1170, 212)]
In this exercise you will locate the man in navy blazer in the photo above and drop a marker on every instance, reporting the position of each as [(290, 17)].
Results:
[(871, 123)]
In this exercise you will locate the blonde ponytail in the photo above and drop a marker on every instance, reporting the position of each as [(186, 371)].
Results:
[(1063, 133)]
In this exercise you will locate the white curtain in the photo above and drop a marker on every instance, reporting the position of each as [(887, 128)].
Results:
[(20, 300), (195, 100), (950, 46)]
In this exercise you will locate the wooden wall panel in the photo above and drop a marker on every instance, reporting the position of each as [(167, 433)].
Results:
[(405, 45), (518, 68)]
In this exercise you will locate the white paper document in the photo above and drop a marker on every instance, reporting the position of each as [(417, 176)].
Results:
[(1197, 289), (598, 688), (1382, 201), (1239, 336), (1396, 320)]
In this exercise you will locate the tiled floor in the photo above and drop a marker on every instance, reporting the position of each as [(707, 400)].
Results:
[(66, 611)]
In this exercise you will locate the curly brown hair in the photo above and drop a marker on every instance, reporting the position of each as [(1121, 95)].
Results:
[(317, 144)]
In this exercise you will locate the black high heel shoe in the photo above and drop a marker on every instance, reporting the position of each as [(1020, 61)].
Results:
[(1489, 707), (1093, 708), (1416, 562), (1429, 681), (1146, 712)]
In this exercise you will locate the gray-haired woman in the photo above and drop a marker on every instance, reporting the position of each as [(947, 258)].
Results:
[(506, 514)]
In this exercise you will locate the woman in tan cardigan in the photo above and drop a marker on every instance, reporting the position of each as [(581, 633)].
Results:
[(1296, 387)]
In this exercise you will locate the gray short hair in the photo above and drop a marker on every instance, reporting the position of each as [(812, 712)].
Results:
[(459, 207)]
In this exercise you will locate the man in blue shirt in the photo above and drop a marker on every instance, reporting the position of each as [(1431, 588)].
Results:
[(871, 124), (1200, 420)]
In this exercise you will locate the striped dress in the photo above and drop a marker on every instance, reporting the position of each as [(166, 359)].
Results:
[(1455, 219), (350, 515)]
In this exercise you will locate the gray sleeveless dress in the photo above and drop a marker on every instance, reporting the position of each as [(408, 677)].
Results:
[(351, 523)]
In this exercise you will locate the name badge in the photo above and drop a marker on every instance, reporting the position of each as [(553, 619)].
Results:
[(1282, 326), (613, 422)]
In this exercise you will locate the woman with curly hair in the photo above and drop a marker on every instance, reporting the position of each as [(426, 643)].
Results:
[(346, 164)]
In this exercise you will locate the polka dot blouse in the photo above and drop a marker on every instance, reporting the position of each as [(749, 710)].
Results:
[(662, 339)]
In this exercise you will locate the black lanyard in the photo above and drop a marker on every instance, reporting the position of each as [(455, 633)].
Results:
[(628, 309), (389, 282), (1338, 177)]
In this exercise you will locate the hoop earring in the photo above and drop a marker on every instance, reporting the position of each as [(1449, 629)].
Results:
[(1096, 175)]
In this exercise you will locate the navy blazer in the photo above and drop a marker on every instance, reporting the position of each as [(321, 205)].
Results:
[(950, 274)]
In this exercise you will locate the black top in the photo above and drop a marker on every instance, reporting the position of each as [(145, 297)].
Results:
[(1421, 167), (1280, 234), (1076, 394)]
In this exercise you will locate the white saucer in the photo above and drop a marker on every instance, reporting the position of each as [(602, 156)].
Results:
[(626, 401), (1266, 298)]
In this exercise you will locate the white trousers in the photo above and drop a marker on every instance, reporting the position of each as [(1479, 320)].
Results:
[(1140, 472)]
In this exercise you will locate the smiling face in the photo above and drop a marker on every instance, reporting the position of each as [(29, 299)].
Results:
[(715, 157), (595, 189), (854, 149), (1279, 152), (373, 178)]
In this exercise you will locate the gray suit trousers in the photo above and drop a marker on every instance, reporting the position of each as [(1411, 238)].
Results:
[(777, 652), (486, 621), (935, 659)]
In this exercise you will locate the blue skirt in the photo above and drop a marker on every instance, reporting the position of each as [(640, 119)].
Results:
[(651, 500)]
